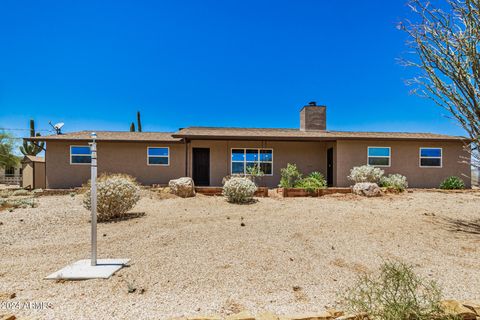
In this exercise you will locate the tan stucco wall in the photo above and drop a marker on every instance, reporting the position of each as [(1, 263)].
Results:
[(113, 157), (33, 176), (27, 175), (308, 156), (39, 175), (405, 160), (131, 158)]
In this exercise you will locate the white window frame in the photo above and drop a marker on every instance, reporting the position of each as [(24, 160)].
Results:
[(245, 159), (420, 157), (80, 164), (389, 156), (159, 164)]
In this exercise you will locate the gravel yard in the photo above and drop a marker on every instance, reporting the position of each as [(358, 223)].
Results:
[(194, 257)]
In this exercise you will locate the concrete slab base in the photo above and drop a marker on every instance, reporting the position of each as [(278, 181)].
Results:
[(82, 270)]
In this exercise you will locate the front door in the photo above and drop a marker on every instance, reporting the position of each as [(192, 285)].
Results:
[(330, 167), (201, 166)]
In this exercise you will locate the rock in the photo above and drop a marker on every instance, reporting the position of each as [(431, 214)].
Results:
[(7, 295), (454, 307), (367, 189), (472, 305), (316, 316), (267, 316), (244, 315), (182, 187), (360, 316), (335, 313)]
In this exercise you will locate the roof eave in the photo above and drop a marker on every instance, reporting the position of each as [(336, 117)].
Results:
[(283, 138), (46, 139)]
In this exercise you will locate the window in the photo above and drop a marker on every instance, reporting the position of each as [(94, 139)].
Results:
[(80, 155), (379, 156), (242, 159), (158, 156), (10, 171), (431, 157)]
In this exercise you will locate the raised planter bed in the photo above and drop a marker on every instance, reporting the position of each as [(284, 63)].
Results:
[(217, 191), (326, 191), (298, 192)]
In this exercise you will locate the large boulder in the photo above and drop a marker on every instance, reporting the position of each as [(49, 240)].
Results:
[(367, 189), (182, 187)]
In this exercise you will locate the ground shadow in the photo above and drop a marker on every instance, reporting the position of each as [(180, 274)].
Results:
[(461, 225), (124, 217)]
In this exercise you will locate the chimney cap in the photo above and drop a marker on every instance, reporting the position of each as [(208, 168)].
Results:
[(312, 103)]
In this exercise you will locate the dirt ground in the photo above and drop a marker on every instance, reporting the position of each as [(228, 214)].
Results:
[(194, 256)]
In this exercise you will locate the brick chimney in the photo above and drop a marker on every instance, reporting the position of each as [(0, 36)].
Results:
[(313, 117)]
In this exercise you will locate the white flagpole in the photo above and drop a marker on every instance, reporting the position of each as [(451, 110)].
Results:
[(93, 198)]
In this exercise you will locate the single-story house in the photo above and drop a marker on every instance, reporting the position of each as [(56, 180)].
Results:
[(207, 154)]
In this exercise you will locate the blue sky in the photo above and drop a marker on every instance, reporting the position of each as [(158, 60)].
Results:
[(93, 64)]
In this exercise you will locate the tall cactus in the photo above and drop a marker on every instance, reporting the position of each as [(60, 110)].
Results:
[(30, 148), (139, 123)]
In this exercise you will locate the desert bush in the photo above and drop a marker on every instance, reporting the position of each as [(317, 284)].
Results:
[(452, 183), (239, 190), (395, 181), (18, 203), (289, 176), (396, 293), (312, 182), (20, 192), (366, 173), (116, 195), (5, 193)]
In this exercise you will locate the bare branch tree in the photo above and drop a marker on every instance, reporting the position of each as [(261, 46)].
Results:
[(446, 43)]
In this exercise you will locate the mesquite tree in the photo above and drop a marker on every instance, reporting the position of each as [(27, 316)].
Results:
[(446, 42)]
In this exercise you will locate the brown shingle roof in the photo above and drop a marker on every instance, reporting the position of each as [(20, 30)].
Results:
[(241, 134), (296, 134), (111, 136)]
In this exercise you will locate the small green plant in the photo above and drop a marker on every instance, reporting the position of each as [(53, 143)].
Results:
[(394, 181), (452, 183), (313, 182), (396, 293), (239, 190), (289, 176)]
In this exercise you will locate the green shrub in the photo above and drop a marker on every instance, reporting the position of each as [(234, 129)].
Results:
[(397, 293), (289, 176), (452, 183), (395, 181), (239, 190), (312, 183)]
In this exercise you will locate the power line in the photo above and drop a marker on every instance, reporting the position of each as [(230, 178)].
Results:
[(18, 129)]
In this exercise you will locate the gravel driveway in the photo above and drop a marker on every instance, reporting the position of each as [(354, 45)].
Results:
[(193, 256)]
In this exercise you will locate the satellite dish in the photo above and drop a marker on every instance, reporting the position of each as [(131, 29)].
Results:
[(57, 127)]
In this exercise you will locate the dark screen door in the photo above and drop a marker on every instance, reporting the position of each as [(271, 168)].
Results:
[(330, 167), (201, 166)]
